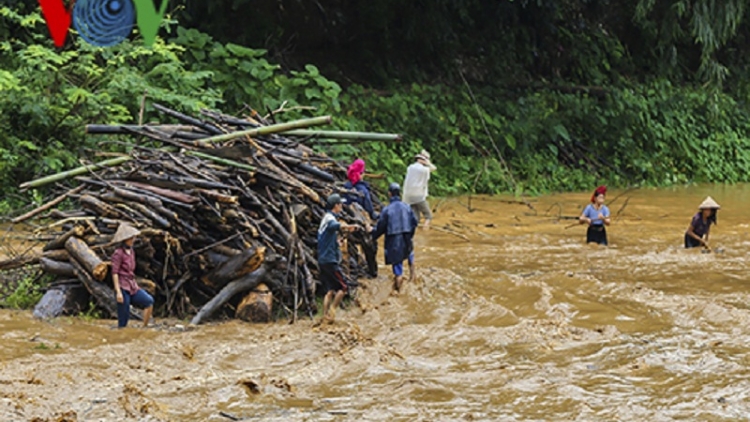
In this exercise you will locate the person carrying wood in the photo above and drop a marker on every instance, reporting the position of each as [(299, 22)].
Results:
[(334, 284), (697, 232), (398, 223), (416, 186), (127, 291), (596, 215), (361, 194)]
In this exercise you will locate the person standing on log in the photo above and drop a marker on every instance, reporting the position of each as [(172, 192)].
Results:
[(362, 195), (398, 223), (697, 232), (596, 215), (123, 276), (416, 189), (332, 278)]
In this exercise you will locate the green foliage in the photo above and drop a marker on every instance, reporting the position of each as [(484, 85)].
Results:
[(539, 118), (91, 314), (25, 293)]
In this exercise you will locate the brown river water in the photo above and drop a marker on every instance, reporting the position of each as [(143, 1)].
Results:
[(513, 318)]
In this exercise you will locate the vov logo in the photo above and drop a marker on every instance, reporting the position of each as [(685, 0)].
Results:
[(103, 23)]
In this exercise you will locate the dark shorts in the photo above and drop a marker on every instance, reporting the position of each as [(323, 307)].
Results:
[(331, 278), (596, 234)]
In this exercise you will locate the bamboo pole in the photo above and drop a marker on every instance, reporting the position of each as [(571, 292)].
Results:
[(337, 134), (221, 160), (74, 172), (266, 130)]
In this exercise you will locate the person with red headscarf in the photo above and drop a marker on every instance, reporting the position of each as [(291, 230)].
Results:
[(360, 190), (596, 215)]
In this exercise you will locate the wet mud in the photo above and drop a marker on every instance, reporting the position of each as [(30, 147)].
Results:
[(512, 317)]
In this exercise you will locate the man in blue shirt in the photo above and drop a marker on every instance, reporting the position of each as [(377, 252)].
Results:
[(398, 223), (329, 257)]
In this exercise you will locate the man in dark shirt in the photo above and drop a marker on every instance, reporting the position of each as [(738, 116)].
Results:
[(329, 257)]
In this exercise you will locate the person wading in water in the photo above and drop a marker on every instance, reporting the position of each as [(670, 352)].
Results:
[(416, 187), (697, 232), (362, 195), (398, 223), (334, 284), (127, 291), (596, 215)]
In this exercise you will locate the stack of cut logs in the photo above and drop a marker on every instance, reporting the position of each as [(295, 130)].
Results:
[(228, 210)]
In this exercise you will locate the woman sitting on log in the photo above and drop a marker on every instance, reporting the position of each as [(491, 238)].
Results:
[(596, 215), (123, 276), (697, 232), (362, 194)]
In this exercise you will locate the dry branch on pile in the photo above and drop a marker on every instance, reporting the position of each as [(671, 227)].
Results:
[(225, 206)]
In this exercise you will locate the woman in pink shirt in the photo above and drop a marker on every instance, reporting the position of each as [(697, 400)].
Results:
[(123, 275)]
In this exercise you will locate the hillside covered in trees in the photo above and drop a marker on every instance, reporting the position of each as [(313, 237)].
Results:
[(522, 96)]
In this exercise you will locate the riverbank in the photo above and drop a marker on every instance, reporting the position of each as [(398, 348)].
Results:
[(515, 319)]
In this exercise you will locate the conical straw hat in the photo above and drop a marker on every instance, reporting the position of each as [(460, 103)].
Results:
[(709, 204), (124, 232)]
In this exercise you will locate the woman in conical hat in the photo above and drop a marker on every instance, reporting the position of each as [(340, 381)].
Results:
[(127, 291), (697, 232)]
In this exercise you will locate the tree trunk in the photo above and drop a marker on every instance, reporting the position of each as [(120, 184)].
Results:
[(57, 267), (257, 306), (80, 251), (103, 294), (240, 285), (235, 267), (69, 299), (59, 243)]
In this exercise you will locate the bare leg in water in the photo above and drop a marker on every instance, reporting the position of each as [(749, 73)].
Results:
[(147, 315), (327, 303), (335, 305)]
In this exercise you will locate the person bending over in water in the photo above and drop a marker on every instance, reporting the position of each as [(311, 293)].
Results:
[(697, 232), (123, 276), (596, 215)]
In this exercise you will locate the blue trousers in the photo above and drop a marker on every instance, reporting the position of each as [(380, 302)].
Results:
[(398, 269), (140, 299)]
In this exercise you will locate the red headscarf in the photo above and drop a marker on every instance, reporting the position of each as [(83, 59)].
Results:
[(355, 170), (601, 190)]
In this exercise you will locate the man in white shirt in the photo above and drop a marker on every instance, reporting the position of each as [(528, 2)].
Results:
[(416, 187)]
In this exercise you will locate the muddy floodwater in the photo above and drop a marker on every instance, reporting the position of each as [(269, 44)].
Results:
[(513, 318)]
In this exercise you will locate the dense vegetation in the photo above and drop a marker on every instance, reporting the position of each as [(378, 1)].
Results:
[(508, 95)]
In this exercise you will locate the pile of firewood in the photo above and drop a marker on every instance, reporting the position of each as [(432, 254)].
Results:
[(228, 210)]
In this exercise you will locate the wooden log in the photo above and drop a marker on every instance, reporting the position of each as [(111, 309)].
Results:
[(64, 299), (61, 268), (267, 130), (187, 119), (243, 284), (257, 306), (98, 239), (47, 206), (218, 197), (59, 242), (162, 192), (94, 129), (102, 294), (80, 251), (74, 172), (235, 267), (226, 250), (57, 255), (99, 207)]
